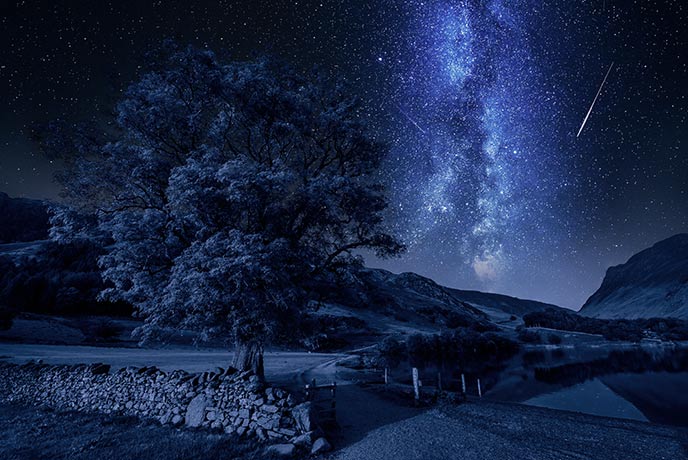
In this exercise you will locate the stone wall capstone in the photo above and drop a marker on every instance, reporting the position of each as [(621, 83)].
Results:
[(228, 400)]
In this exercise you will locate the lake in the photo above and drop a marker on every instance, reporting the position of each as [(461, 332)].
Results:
[(639, 383)]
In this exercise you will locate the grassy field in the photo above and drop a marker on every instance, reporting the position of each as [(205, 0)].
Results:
[(35, 433), (280, 366)]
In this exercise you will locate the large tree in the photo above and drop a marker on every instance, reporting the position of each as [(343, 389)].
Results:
[(223, 189)]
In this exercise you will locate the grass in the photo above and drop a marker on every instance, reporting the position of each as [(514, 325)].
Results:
[(39, 433)]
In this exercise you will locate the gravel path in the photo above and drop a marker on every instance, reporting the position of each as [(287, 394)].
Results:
[(504, 431)]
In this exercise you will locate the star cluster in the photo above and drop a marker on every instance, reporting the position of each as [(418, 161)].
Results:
[(479, 100)]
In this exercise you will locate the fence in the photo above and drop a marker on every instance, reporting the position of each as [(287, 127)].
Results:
[(436, 383), (324, 401)]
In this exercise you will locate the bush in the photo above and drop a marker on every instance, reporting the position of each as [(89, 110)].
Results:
[(6, 318), (391, 347), (527, 336), (103, 330), (554, 339), (611, 329), (463, 346), (59, 279)]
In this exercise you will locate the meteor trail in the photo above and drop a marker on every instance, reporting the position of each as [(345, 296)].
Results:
[(585, 120), (411, 120)]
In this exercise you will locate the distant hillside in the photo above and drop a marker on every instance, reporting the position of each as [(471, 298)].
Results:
[(22, 219), (504, 303), (389, 302), (653, 283), (476, 302), (407, 301)]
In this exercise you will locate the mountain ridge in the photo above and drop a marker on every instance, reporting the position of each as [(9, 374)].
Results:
[(652, 283)]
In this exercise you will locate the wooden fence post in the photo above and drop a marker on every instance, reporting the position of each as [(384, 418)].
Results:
[(463, 383), (386, 377), (480, 391), (416, 385), (439, 381)]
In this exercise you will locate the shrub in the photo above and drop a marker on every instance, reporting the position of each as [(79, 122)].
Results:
[(103, 330), (6, 318), (462, 346), (612, 329), (554, 339), (527, 336)]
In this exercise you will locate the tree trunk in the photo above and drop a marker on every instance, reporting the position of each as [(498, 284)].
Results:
[(248, 356)]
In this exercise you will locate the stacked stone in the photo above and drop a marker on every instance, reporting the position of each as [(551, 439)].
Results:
[(228, 400)]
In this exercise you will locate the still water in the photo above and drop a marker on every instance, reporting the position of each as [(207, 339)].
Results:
[(640, 383)]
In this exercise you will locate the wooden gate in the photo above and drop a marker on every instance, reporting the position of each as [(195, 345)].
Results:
[(324, 401)]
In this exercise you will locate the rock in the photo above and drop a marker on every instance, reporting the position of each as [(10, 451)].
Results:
[(286, 432), (195, 411), (274, 435), (177, 420), (303, 415), (165, 418), (270, 393), (100, 368), (320, 446), (281, 450), (254, 383), (306, 440), (262, 434), (269, 409)]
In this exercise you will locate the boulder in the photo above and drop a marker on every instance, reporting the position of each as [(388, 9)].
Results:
[(281, 450), (320, 446), (305, 440), (195, 411), (303, 415)]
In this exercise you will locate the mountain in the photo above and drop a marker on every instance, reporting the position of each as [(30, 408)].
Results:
[(489, 302), (480, 303), (22, 219), (409, 302), (653, 283)]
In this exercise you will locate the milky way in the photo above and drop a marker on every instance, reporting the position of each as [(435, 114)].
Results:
[(483, 172)]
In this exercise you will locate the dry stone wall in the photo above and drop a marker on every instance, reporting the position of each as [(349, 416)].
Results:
[(227, 400)]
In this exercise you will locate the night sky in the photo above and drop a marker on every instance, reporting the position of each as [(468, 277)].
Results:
[(482, 102)]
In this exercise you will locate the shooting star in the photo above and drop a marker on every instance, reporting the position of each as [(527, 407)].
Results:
[(411, 120), (585, 120)]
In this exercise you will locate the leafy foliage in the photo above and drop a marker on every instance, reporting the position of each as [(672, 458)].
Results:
[(462, 346), (526, 336), (59, 279), (632, 330), (224, 188)]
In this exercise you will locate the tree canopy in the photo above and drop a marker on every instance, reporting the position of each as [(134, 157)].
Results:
[(222, 189)]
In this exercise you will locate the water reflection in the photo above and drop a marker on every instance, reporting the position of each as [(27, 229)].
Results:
[(639, 383)]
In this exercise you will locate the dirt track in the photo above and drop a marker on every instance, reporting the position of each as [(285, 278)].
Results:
[(503, 431)]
